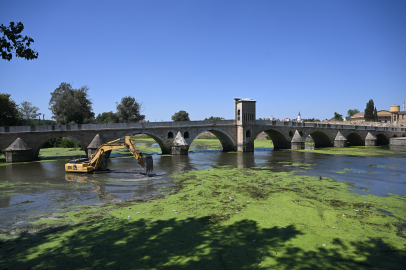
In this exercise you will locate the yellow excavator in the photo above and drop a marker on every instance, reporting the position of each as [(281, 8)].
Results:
[(98, 161)]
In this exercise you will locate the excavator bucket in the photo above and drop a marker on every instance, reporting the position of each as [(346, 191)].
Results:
[(149, 163)]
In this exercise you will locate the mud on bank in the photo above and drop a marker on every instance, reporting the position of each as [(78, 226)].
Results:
[(225, 218)]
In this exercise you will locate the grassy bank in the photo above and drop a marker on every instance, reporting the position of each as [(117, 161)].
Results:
[(225, 219)]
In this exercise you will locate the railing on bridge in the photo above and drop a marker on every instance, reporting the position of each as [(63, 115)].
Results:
[(320, 125), (18, 129)]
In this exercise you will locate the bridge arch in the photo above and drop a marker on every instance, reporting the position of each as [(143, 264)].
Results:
[(227, 142), (37, 147), (157, 138), (279, 140), (321, 139), (381, 139), (354, 139)]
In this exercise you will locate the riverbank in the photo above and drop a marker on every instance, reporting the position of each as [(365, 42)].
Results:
[(224, 218)]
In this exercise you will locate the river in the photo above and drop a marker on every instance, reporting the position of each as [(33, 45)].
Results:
[(37, 189)]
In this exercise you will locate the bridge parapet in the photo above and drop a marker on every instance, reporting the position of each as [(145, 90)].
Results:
[(169, 124), (320, 125)]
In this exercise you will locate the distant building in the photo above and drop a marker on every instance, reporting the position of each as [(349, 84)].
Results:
[(394, 114), (299, 118)]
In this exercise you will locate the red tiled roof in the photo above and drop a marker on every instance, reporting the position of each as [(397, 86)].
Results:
[(358, 114)]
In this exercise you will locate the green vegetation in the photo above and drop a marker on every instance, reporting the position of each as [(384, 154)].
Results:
[(224, 219), (71, 106), (60, 152), (311, 120), (263, 144), (207, 144), (351, 113), (338, 117), (129, 110), (213, 118), (107, 117), (62, 143), (9, 115), (181, 116), (369, 111), (28, 111), (352, 151), (13, 41)]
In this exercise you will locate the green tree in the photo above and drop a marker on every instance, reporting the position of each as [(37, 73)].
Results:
[(28, 111), (351, 113), (311, 120), (369, 111), (13, 41), (107, 117), (129, 110), (71, 106), (338, 117), (213, 118), (376, 115), (9, 115), (181, 116)]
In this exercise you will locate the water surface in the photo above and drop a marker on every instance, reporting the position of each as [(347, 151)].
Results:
[(38, 189)]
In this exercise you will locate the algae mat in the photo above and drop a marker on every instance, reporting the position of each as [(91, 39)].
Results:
[(226, 219)]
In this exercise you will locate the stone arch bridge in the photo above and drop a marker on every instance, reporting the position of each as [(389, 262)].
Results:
[(23, 143)]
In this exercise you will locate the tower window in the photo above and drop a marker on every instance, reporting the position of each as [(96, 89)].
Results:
[(248, 133)]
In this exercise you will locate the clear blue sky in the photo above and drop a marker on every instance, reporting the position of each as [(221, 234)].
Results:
[(318, 57)]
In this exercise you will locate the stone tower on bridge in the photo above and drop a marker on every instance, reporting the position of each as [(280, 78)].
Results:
[(245, 115)]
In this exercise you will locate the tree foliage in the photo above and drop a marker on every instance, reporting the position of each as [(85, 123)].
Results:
[(107, 117), (61, 142), (9, 115), (369, 111), (376, 115), (28, 111), (311, 120), (129, 110), (71, 106), (338, 117), (181, 116), (213, 118), (351, 113), (13, 41)]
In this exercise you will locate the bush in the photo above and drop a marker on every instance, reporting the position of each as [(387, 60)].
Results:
[(61, 142)]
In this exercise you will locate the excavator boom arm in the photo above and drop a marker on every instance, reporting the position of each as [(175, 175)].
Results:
[(145, 162)]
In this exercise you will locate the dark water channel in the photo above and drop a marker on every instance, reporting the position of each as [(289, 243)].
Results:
[(29, 191)]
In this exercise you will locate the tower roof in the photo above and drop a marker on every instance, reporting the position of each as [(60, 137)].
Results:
[(340, 137), (96, 142), (18, 144), (179, 140), (370, 137), (237, 99), (296, 137)]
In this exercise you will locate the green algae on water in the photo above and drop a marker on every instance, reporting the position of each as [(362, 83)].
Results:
[(352, 151), (226, 218)]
